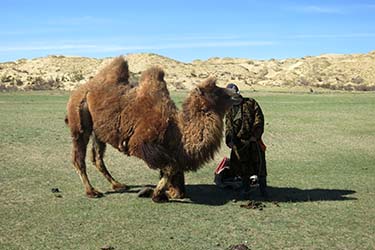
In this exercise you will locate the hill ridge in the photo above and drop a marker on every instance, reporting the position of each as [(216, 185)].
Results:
[(334, 71)]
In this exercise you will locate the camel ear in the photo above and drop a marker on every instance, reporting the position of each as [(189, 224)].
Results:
[(209, 83)]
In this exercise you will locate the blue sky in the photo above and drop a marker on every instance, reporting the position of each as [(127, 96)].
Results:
[(185, 30)]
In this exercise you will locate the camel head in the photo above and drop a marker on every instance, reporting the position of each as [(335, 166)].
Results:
[(216, 98)]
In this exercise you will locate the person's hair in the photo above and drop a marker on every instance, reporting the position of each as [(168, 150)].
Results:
[(233, 86)]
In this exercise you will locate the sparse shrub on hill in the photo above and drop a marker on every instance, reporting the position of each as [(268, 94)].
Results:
[(76, 76), (37, 83), (262, 73), (364, 88), (19, 82), (7, 88), (40, 83), (357, 80), (179, 85), (303, 81), (348, 87), (6, 78)]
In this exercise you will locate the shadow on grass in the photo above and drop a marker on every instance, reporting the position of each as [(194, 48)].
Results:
[(130, 189), (212, 195), (207, 194)]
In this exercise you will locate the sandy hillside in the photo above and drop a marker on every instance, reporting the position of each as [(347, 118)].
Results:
[(348, 72)]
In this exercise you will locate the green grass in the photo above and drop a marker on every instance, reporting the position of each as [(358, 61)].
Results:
[(321, 157)]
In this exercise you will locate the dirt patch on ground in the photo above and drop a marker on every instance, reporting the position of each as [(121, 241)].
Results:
[(239, 247), (254, 205)]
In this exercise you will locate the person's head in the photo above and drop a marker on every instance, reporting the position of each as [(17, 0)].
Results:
[(233, 87)]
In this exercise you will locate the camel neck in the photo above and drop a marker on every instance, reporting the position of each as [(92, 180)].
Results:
[(202, 133)]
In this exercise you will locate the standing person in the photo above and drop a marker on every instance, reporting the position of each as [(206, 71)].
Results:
[(244, 126)]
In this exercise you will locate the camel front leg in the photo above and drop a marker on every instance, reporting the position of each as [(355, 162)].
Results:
[(176, 187), (160, 194)]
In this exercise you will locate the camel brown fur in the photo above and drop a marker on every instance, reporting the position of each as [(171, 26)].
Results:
[(144, 122)]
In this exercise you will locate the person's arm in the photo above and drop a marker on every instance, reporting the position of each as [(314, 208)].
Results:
[(258, 126), (229, 130)]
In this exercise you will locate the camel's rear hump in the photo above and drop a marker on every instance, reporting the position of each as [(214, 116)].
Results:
[(152, 82)]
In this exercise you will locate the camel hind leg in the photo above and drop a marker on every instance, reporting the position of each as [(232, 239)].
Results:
[(98, 150), (79, 155), (80, 124)]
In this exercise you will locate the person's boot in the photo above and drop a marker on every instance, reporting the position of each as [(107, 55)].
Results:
[(254, 180), (245, 189), (263, 186)]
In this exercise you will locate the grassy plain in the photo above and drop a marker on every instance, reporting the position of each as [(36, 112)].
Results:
[(321, 164)]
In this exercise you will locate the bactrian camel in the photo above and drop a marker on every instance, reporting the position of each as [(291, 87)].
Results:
[(143, 121)]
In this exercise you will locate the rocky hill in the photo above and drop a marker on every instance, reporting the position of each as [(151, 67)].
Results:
[(347, 72)]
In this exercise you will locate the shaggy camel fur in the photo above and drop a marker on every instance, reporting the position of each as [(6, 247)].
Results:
[(144, 122)]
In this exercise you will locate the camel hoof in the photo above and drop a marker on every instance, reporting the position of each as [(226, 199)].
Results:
[(118, 187), (175, 194), (94, 194), (160, 198)]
